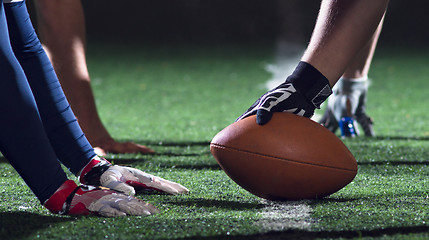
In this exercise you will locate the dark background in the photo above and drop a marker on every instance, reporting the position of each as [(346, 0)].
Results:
[(235, 21)]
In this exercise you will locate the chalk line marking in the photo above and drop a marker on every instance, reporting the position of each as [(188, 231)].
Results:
[(278, 216)]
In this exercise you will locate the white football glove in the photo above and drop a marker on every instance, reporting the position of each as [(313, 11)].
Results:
[(349, 100), (100, 172), (70, 199), (127, 180)]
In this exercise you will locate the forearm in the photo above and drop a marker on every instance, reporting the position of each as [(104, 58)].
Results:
[(62, 32), (342, 29), (360, 65)]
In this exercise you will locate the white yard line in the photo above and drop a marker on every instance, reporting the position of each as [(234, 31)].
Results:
[(278, 216)]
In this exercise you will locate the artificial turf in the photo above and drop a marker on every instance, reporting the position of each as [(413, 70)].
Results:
[(175, 99)]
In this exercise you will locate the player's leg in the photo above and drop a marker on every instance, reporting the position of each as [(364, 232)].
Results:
[(22, 138), (60, 124), (61, 127), (342, 29), (348, 101), (62, 30)]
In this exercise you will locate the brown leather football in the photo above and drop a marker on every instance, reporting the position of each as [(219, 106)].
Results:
[(289, 158)]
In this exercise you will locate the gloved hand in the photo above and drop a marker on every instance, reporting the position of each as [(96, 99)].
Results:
[(348, 101), (70, 199), (283, 98), (127, 180), (302, 92)]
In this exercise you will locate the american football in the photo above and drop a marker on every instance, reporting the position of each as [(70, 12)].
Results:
[(289, 158)]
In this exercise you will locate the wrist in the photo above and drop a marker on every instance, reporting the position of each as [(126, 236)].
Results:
[(57, 202), (91, 173), (311, 83)]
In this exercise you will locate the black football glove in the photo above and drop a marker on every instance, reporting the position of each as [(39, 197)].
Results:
[(302, 92), (283, 98)]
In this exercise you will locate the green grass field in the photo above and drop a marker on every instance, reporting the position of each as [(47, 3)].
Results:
[(175, 99)]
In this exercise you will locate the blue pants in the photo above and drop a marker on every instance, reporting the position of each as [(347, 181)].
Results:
[(37, 125)]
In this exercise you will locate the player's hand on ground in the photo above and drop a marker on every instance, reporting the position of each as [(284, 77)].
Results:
[(100, 172), (284, 98), (70, 199), (348, 101), (127, 179), (112, 146)]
